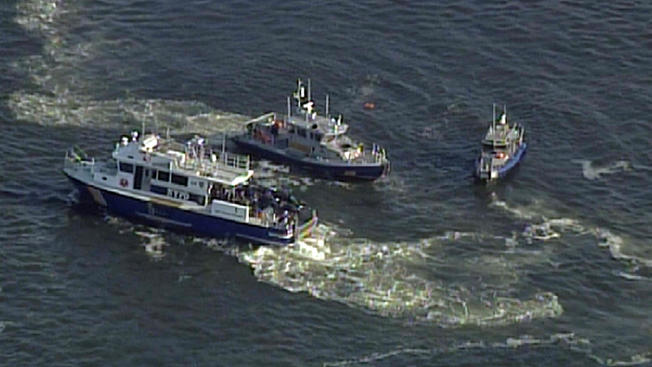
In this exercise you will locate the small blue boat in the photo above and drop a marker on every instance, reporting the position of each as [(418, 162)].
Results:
[(503, 148), (190, 188), (313, 143)]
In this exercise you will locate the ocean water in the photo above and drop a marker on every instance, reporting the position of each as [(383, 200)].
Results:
[(550, 267)]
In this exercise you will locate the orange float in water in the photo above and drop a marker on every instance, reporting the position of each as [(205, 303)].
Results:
[(369, 105)]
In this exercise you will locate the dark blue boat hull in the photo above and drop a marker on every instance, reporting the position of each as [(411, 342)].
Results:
[(175, 218), (509, 166), (332, 171)]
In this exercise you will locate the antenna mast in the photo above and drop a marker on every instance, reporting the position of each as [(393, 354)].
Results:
[(327, 105), (309, 95), (149, 113)]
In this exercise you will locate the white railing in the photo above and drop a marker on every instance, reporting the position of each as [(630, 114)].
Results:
[(224, 161), (234, 160), (264, 117), (75, 162)]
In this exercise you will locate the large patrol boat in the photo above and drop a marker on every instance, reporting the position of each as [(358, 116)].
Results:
[(190, 188), (503, 147), (313, 143)]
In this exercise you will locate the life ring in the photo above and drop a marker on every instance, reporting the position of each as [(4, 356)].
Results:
[(123, 182), (500, 155)]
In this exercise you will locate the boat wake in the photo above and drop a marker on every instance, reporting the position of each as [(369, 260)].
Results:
[(181, 117), (62, 98), (412, 281), (394, 280), (565, 341), (542, 228)]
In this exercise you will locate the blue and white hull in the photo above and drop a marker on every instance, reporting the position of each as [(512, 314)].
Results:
[(165, 213), (333, 170), (502, 170)]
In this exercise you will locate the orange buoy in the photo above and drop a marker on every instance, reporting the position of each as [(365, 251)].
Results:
[(369, 105)]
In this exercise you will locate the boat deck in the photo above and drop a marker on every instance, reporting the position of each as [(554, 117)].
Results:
[(333, 148)]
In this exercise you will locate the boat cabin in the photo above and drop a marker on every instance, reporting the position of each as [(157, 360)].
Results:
[(187, 173)]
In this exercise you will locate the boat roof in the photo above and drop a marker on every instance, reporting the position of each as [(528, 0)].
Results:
[(326, 125), (194, 159), (304, 114), (500, 133)]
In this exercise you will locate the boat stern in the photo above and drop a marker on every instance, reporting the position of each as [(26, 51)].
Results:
[(485, 169)]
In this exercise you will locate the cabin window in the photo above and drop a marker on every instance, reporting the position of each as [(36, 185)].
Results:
[(179, 180), (199, 199), (163, 176), (158, 190), (126, 167)]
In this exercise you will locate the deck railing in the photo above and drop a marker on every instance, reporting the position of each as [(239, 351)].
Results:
[(218, 162), (74, 161), (264, 117)]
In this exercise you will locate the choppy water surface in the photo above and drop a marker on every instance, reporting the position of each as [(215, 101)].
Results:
[(425, 267)]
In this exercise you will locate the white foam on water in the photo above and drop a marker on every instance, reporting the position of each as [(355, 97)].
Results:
[(565, 341), (383, 278), (63, 101), (552, 228), (38, 15), (615, 245), (542, 228), (215, 244), (153, 242), (629, 276), (591, 172), (180, 117), (519, 213)]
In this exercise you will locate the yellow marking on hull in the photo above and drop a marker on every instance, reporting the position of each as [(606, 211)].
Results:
[(165, 202)]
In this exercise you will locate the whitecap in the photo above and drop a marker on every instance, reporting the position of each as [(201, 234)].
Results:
[(615, 244), (590, 172)]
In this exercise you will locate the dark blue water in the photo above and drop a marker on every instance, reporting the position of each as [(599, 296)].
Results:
[(551, 267)]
